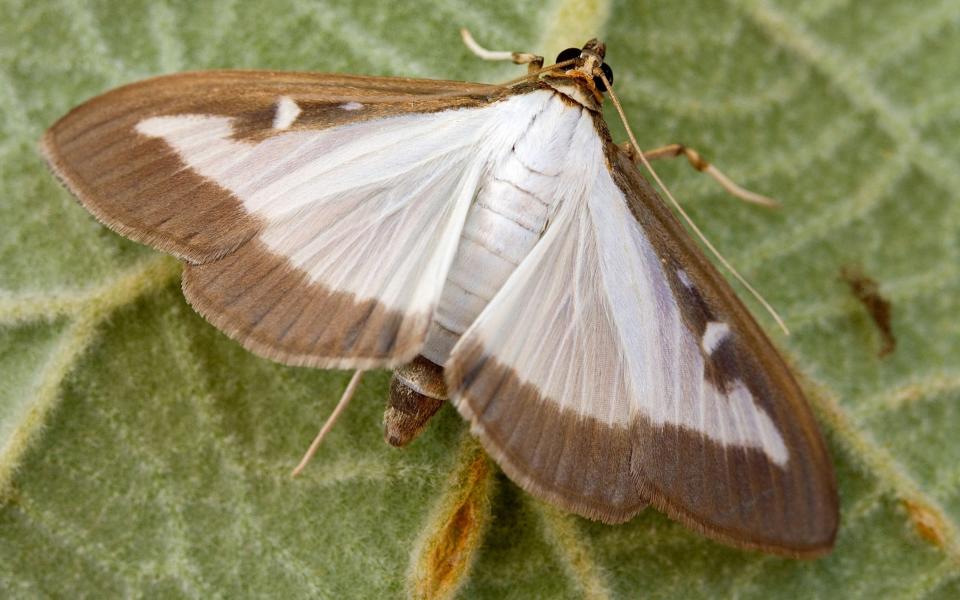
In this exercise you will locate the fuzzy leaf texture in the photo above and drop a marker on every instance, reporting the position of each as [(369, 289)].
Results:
[(142, 453)]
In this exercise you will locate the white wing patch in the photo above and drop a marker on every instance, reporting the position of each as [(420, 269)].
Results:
[(664, 365), (287, 112), (589, 319), (715, 333), (373, 208)]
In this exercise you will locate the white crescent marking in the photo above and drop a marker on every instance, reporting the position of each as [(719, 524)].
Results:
[(714, 335), (287, 113)]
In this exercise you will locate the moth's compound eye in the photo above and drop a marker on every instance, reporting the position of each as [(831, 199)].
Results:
[(599, 82), (568, 54)]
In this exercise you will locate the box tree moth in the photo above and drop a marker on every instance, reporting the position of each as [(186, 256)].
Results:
[(494, 246)]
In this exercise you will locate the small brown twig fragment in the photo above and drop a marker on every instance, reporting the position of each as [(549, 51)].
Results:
[(867, 291)]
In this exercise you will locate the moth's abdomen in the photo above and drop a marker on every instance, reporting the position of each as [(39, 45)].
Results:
[(417, 391), (505, 222)]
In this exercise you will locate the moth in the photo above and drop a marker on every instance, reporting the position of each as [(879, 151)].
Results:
[(494, 246)]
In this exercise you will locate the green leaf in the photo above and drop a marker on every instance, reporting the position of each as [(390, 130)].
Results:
[(143, 453)]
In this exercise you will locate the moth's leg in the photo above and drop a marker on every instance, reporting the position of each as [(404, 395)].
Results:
[(697, 162), (534, 63), (344, 400)]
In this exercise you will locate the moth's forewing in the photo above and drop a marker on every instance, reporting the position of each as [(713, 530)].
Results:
[(734, 494), (135, 185), (315, 222), (648, 381)]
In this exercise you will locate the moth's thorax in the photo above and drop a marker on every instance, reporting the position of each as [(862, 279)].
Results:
[(578, 82), (509, 214), (574, 87)]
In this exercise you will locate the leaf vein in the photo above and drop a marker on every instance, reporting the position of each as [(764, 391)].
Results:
[(849, 76), (46, 395), (907, 35), (870, 193), (249, 517), (145, 276), (573, 550), (889, 472)]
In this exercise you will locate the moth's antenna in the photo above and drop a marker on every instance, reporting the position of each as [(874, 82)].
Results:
[(344, 400), (693, 226), (520, 58)]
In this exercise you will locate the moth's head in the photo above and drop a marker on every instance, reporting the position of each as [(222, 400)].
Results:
[(582, 72)]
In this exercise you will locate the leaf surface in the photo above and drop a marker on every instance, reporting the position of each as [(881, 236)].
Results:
[(143, 453)]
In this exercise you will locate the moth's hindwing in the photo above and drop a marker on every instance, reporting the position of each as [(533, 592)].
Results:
[(316, 214), (616, 367)]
